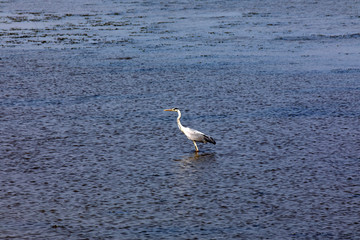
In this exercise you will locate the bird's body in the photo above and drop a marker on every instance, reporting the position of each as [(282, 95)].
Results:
[(192, 134)]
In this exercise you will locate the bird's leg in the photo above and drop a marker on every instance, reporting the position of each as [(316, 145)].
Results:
[(196, 148)]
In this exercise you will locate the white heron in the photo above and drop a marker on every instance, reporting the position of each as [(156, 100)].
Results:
[(192, 134)]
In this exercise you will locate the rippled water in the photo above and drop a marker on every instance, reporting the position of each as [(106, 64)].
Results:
[(87, 151)]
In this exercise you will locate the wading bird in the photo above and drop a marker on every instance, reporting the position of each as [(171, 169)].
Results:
[(191, 134)]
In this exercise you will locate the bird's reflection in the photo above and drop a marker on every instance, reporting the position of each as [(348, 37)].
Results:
[(197, 157), (195, 163)]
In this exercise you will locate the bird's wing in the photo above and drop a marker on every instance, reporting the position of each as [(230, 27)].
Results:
[(209, 139), (198, 136), (194, 135)]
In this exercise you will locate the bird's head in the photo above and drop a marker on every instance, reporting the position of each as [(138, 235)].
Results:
[(172, 110)]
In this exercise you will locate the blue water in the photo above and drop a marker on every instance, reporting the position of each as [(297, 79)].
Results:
[(87, 151)]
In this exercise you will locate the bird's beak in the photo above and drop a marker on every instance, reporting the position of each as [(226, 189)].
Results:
[(168, 110)]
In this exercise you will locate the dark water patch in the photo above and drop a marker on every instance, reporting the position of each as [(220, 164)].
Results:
[(349, 70), (290, 112), (319, 37), (71, 100)]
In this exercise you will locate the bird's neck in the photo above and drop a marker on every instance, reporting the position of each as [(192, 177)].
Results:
[(178, 121)]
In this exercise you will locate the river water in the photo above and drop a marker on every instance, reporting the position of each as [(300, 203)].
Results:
[(87, 151)]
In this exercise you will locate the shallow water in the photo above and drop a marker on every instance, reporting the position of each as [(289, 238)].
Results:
[(87, 151)]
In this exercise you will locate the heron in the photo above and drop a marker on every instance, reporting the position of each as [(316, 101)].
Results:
[(192, 134)]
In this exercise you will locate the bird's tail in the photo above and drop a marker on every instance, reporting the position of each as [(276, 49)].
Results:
[(209, 139)]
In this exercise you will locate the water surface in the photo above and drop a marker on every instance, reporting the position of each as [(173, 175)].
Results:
[(88, 153)]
